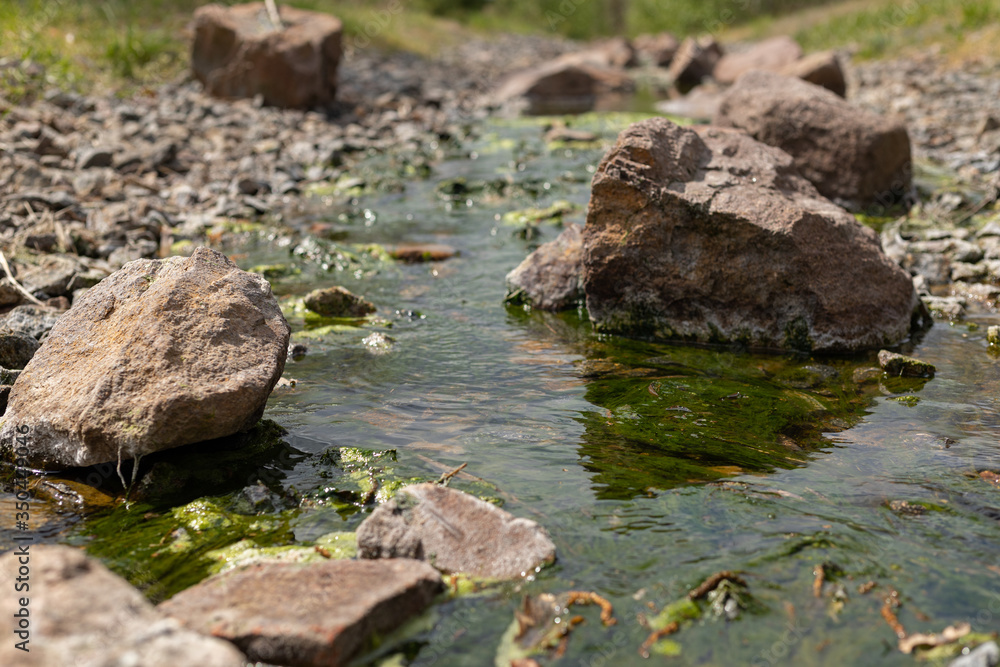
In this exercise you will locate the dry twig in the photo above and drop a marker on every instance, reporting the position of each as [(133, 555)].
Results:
[(17, 285)]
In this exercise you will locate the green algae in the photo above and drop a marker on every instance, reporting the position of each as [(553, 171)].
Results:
[(165, 552), (355, 477), (699, 415)]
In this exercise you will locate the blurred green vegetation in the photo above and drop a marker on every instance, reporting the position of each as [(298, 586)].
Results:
[(122, 44)]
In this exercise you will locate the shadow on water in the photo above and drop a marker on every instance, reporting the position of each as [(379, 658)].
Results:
[(671, 415)]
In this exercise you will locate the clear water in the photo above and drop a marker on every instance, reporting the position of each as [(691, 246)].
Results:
[(652, 466)]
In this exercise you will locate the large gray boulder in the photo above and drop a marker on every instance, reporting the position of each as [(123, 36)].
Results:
[(239, 52), (710, 236), (853, 156), (82, 614), (307, 614), (456, 532), (160, 354)]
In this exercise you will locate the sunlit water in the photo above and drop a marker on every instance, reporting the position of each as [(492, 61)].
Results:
[(652, 466)]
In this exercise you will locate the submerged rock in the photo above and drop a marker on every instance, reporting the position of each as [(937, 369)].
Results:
[(162, 353), (238, 52), (900, 365), (83, 614), (713, 237), (338, 302), (309, 613), (853, 156), (456, 532), (550, 278)]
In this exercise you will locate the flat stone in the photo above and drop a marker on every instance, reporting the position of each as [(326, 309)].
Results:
[(338, 302), (160, 354), (84, 615), (307, 614), (421, 252), (550, 278), (897, 364), (853, 156), (709, 236), (456, 532)]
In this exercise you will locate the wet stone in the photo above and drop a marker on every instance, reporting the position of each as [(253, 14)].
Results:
[(984, 655), (550, 278), (900, 365), (338, 302), (307, 613), (456, 532), (993, 335), (422, 252), (950, 308)]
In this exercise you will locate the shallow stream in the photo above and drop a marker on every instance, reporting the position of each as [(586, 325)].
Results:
[(652, 466)]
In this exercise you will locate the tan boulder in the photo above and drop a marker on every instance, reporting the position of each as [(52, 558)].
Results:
[(160, 354), (709, 236), (238, 52), (853, 156)]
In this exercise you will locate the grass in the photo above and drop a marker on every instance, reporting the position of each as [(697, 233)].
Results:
[(124, 45), (886, 28)]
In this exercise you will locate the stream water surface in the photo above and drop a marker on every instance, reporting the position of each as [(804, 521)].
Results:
[(652, 466)]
